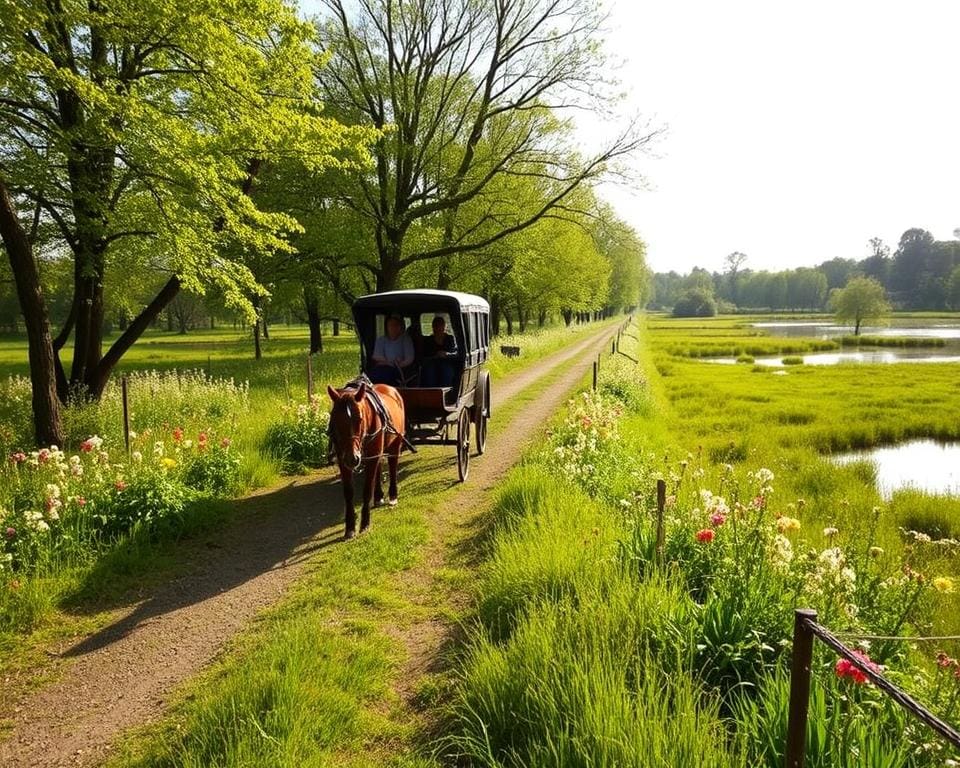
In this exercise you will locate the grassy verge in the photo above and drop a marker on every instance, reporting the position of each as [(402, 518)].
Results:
[(585, 652)]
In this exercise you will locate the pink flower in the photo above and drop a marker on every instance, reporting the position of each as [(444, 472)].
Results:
[(705, 536), (943, 660), (717, 519), (10, 532), (18, 458), (120, 485), (86, 446), (43, 456), (81, 502), (225, 443), (178, 434), (846, 668)]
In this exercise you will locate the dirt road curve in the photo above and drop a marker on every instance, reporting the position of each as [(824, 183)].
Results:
[(123, 675)]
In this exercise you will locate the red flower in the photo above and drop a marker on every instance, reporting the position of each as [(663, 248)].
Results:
[(705, 536), (11, 532), (120, 485), (225, 443), (178, 434), (846, 668), (86, 446), (202, 441), (43, 456), (81, 502), (943, 660), (18, 458), (717, 519)]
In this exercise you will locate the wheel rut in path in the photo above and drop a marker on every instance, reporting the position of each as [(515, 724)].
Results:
[(123, 675)]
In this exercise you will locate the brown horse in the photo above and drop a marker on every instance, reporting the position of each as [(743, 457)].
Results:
[(360, 437)]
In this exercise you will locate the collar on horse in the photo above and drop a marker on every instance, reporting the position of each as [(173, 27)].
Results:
[(379, 409)]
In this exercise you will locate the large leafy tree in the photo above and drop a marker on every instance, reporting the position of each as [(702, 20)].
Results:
[(863, 299), (137, 130), (472, 91)]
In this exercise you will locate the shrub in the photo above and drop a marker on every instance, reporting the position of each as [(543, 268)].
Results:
[(697, 302), (792, 360), (300, 438)]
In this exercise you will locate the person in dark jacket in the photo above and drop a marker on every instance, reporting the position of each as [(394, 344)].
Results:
[(439, 366)]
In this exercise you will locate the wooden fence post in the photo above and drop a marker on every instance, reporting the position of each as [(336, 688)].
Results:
[(126, 412), (661, 506), (800, 686), (595, 375), (613, 346), (309, 378)]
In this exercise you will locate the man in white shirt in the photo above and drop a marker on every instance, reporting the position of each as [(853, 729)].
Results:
[(391, 353)]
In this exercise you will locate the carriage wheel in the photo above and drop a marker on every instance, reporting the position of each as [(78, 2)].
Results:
[(463, 444), (481, 413)]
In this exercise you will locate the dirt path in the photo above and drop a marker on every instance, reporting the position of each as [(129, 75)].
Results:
[(123, 675)]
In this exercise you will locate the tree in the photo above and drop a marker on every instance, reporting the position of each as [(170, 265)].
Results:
[(953, 289), (695, 302), (733, 262), (137, 130), (863, 299), (467, 94)]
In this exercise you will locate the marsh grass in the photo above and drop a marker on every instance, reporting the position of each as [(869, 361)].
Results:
[(891, 341)]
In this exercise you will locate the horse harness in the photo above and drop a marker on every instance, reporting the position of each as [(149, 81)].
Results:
[(380, 410)]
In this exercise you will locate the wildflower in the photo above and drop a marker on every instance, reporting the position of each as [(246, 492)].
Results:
[(120, 485), (202, 441), (137, 457), (846, 668), (10, 532), (875, 551), (225, 443), (705, 536), (168, 463), (132, 435), (785, 524), (944, 661), (18, 458), (81, 502), (43, 455), (717, 519), (830, 532), (178, 434), (188, 444), (158, 448), (943, 584)]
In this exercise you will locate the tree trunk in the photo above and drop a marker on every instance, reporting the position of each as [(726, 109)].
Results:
[(336, 327), (541, 318), (48, 428), (312, 306), (266, 329), (509, 319), (494, 314), (170, 320), (567, 316), (257, 351)]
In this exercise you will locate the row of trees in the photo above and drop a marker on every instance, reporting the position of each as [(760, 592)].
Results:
[(923, 273), (229, 150)]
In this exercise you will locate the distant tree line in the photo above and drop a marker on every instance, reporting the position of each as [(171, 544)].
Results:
[(921, 274)]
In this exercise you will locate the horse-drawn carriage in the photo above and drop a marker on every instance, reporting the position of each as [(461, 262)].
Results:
[(435, 414)]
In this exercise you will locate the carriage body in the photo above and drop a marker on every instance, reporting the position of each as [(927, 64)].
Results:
[(436, 415)]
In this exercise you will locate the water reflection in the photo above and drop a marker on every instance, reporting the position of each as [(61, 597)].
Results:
[(828, 330), (870, 356), (924, 465)]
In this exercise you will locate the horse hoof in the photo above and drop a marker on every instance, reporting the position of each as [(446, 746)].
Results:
[(349, 535), (393, 502)]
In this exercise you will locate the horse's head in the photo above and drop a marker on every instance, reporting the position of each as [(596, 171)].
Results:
[(348, 424)]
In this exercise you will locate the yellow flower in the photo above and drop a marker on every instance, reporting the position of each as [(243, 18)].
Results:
[(943, 584), (785, 524), (168, 463)]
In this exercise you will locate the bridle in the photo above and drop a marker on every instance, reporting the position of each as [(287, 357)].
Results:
[(363, 438)]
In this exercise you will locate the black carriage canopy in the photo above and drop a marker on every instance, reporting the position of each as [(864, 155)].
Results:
[(467, 315)]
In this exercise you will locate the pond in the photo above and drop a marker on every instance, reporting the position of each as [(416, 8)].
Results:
[(871, 356), (924, 465), (828, 330)]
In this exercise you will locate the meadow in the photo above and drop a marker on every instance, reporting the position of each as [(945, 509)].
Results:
[(585, 651), (208, 423)]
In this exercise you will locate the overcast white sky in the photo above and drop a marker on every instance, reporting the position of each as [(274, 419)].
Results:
[(796, 131)]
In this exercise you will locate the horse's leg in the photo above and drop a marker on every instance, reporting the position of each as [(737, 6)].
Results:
[(350, 516), (393, 460), (370, 480), (378, 488)]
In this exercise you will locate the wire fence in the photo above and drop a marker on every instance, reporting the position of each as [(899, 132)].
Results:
[(805, 631)]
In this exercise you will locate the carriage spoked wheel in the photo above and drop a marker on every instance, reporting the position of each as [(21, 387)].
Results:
[(463, 444), (481, 412)]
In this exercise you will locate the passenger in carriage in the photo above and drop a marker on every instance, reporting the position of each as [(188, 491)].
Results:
[(439, 365), (391, 354)]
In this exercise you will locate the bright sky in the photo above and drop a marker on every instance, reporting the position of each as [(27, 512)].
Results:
[(796, 131)]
